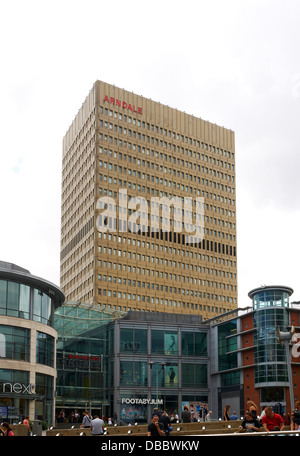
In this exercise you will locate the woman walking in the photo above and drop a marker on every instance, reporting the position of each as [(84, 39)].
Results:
[(7, 430)]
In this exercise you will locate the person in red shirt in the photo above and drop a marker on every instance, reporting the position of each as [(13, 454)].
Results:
[(7, 430), (272, 421), (26, 422)]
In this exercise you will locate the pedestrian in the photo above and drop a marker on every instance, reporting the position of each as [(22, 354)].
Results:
[(272, 421), (234, 417), (286, 419), (209, 416), (165, 420), (263, 413), (97, 426), (295, 417), (249, 424), (87, 418), (186, 415), (252, 407), (155, 428), (156, 412), (27, 424), (173, 418), (7, 430), (61, 417), (226, 412)]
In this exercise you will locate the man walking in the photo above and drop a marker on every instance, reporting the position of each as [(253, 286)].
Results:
[(165, 420), (97, 426), (186, 415)]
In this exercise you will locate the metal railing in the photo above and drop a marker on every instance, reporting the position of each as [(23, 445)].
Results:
[(256, 434)]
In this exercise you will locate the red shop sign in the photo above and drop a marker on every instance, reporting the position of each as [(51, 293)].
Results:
[(122, 104)]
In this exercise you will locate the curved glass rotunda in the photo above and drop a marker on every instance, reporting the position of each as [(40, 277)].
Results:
[(27, 344), (270, 304)]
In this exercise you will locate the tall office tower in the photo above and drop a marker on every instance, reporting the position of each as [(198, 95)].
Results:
[(137, 175)]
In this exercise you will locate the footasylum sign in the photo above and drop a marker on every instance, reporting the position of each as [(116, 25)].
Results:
[(144, 401)]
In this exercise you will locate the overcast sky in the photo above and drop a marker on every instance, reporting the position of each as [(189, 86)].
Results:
[(233, 63)]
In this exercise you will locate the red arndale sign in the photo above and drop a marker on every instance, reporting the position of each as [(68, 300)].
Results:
[(122, 104)]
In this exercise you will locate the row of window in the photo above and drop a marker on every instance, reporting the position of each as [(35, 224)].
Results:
[(167, 183), (102, 191), (77, 386), (151, 272), (164, 247), (22, 301), (144, 210), (89, 353), (227, 346), (150, 298), (163, 342), (135, 373), (160, 168), (168, 289), (267, 373), (181, 221), (184, 305), (15, 344), (136, 298), (181, 239), (174, 160), (110, 224), (163, 131), (168, 262), (270, 298)]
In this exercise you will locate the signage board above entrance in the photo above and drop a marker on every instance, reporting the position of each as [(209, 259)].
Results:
[(133, 400), (18, 388)]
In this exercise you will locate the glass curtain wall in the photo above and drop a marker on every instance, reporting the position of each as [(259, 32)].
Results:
[(227, 353), (22, 301), (133, 340), (270, 356), (270, 298), (84, 372), (173, 361), (194, 343), (15, 343)]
